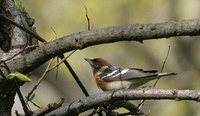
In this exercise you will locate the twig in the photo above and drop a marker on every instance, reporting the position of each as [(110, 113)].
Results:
[(24, 105), (87, 17), (75, 76), (163, 65), (39, 81), (4, 18), (48, 68), (140, 104), (57, 58), (34, 104), (22, 50), (57, 69), (54, 32), (62, 60)]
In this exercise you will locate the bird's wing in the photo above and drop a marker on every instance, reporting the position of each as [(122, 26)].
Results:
[(127, 74)]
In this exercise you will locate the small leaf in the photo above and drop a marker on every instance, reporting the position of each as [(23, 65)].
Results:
[(19, 76), (19, 4)]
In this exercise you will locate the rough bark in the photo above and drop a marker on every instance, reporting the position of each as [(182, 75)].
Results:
[(78, 106), (81, 40), (5, 35), (12, 40)]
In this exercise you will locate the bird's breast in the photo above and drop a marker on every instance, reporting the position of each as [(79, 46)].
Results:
[(102, 84), (119, 85)]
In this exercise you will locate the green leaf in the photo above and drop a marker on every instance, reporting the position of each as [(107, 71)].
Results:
[(19, 4), (19, 76)]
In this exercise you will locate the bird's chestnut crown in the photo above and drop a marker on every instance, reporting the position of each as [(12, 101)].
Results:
[(97, 63)]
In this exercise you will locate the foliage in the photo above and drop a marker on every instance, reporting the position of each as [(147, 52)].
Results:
[(19, 76), (19, 4)]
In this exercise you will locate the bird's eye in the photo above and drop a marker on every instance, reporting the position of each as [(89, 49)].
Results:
[(97, 65)]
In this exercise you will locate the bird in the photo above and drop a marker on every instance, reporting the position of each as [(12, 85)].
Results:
[(110, 77)]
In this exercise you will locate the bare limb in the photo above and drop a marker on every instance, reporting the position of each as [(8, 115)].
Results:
[(135, 32), (92, 101)]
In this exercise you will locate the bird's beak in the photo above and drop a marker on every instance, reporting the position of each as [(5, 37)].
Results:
[(89, 61)]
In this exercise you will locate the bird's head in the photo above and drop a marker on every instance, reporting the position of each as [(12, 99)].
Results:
[(98, 63)]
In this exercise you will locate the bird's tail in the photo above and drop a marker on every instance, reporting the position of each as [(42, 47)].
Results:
[(166, 74)]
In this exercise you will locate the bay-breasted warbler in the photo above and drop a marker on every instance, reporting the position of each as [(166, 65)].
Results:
[(109, 77)]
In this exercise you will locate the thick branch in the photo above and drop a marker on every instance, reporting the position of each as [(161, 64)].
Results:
[(85, 104), (12, 40), (81, 40)]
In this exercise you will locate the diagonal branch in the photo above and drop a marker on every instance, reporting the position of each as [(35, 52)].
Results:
[(81, 40), (88, 103)]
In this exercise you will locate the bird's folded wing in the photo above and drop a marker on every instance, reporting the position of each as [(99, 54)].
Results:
[(118, 74)]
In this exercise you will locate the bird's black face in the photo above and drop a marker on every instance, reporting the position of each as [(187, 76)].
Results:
[(95, 63)]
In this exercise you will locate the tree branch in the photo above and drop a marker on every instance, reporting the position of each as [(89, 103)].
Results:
[(50, 107), (90, 102), (81, 40)]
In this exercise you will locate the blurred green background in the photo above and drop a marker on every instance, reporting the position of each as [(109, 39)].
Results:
[(68, 17)]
